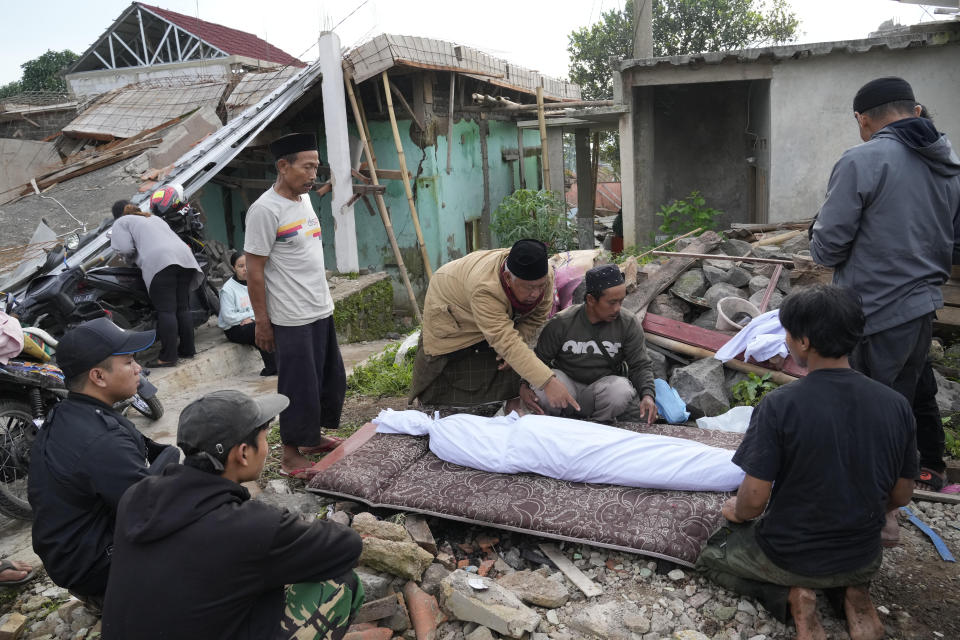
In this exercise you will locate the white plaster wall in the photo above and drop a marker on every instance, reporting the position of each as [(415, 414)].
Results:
[(811, 109), (92, 83)]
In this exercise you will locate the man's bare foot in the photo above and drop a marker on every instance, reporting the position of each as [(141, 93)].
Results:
[(293, 460), (326, 445), (515, 404), (803, 607), (863, 623), (890, 534), (14, 572)]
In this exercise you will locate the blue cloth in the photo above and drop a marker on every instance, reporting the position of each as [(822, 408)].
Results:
[(670, 405)]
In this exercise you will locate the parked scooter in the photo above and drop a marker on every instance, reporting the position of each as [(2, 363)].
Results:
[(29, 388)]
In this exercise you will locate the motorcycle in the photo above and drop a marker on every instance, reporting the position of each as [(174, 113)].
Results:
[(28, 392)]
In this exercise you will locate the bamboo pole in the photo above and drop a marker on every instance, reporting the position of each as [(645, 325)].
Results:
[(405, 180), (523, 178), (706, 256), (669, 242), (698, 352), (544, 151), (453, 81), (381, 205), (777, 239)]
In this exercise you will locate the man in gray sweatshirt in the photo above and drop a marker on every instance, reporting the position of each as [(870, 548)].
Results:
[(890, 228)]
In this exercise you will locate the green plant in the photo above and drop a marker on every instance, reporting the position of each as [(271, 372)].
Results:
[(681, 216), (951, 436), (534, 214), (749, 392), (381, 377)]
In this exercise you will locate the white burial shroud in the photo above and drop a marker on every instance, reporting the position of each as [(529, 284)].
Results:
[(573, 450)]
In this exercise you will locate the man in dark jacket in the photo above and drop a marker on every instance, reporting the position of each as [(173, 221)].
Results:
[(87, 455), (196, 558), (890, 228)]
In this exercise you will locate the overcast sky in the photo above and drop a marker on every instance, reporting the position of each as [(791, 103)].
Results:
[(531, 33)]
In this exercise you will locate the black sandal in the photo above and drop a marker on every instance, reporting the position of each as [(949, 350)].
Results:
[(932, 480)]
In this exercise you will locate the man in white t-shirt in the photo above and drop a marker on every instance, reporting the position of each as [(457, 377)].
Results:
[(292, 304)]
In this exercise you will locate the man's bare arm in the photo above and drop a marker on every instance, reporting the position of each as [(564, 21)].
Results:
[(901, 494), (257, 289), (751, 500)]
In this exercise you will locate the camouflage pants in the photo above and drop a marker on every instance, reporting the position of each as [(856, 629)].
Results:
[(320, 610)]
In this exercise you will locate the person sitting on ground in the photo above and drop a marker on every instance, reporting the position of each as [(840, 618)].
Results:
[(478, 315), (826, 457), (236, 313), (86, 455), (588, 345), (215, 561)]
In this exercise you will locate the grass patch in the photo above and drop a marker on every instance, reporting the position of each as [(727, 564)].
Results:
[(951, 435), (380, 376)]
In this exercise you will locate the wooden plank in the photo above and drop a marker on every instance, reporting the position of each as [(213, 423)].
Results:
[(948, 315), (951, 292), (723, 257), (703, 338), (682, 348), (577, 577), (934, 496), (386, 174)]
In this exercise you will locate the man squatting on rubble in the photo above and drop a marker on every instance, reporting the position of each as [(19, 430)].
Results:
[(292, 306), (478, 315), (890, 228), (87, 455), (588, 345), (825, 458), (196, 558)]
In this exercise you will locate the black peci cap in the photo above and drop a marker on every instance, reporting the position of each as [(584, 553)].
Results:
[(293, 143), (88, 344), (602, 278), (881, 91), (527, 259)]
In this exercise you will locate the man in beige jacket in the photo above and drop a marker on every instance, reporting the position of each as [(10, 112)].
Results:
[(480, 313)]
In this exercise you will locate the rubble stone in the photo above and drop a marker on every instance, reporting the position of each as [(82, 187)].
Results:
[(534, 588), (722, 290), (494, 607), (701, 385), (707, 319), (636, 623), (758, 283), (690, 284), (659, 364), (796, 244), (603, 620), (480, 633), (366, 524), (776, 299), (714, 274), (432, 577), (669, 306), (420, 533), (375, 585), (340, 517), (404, 559), (689, 634), (734, 247), (948, 394)]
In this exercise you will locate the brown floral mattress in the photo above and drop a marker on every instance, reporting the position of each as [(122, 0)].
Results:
[(400, 472)]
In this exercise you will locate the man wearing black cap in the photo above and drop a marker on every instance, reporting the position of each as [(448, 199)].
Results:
[(588, 346), (86, 456), (292, 304), (890, 228), (217, 561), (478, 316)]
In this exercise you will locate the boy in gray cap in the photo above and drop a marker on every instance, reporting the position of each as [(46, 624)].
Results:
[(588, 347), (227, 566)]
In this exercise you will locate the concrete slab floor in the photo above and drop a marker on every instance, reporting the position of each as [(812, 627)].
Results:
[(217, 365)]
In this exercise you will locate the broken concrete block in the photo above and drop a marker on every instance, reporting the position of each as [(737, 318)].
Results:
[(669, 306), (722, 290), (369, 634), (659, 364), (375, 585), (948, 394), (601, 621), (13, 626), (432, 577), (534, 588), (480, 633), (758, 283), (689, 634), (690, 284), (340, 517), (377, 609), (776, 299), (701, 385), (734, 247), (796, 244), (447, 560), (738, 277), (707, 320), (494, 607), (366, 524), (404, 559), (420, 533)]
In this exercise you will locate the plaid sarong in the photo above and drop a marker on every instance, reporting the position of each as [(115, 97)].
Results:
[(463, 378), (320, 610)]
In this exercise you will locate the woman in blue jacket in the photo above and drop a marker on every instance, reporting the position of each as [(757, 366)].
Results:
[(236, 314)]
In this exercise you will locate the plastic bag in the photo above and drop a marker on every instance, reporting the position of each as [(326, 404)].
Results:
[(736, 420), (670, 405)]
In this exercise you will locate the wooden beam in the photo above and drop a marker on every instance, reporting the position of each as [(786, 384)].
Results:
[(403, 102), (578, 104), (545, 155), (485, 170), (387, 87), (936, 496), (381, 205), (521, 155), (385, 174), (703, 256), (453, 79), (577, 577)]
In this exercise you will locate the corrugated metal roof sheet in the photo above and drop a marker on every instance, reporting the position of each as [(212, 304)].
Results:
[(386, 51), (930, 34), (231, 41), (125, 112)]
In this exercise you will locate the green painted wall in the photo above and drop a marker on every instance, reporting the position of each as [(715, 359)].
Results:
[(445, 202)]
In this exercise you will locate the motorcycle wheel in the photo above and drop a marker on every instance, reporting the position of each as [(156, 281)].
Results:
[(151, 408), (17, 432)]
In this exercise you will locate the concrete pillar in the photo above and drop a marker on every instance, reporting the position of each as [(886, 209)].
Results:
[(555, 149), (585, 189), (643, 33), (637, 168), (338, 153)]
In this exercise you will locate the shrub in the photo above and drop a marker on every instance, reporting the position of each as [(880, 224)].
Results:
[(681, 216), (541, 215), (379, 376), (749, 392)]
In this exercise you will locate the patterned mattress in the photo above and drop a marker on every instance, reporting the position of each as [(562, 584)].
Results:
[(400, 472)]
